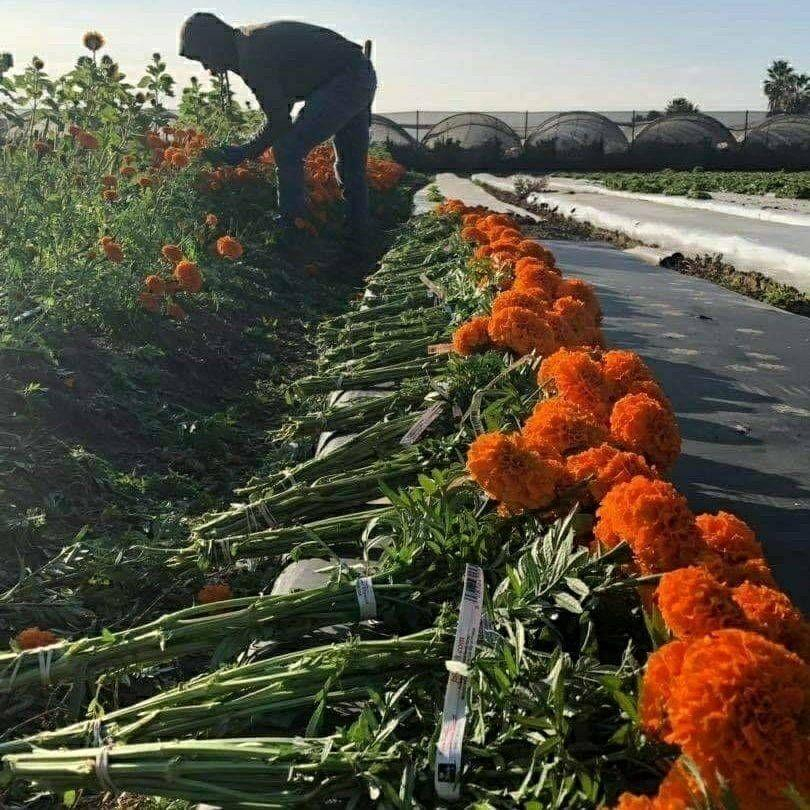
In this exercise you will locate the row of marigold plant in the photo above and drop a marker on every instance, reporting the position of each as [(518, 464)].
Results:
[(731, 687)]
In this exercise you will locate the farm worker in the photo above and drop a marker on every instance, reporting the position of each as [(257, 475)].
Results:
[(286, 62)]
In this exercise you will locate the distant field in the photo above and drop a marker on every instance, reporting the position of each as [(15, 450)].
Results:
[(698, 183)]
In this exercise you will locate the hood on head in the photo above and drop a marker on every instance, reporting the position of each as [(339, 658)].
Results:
[(207, 39)]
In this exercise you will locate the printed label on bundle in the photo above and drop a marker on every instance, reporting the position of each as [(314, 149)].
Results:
[(434, 289), (454, 715), (366, 600), (418, 428), (439, 348)]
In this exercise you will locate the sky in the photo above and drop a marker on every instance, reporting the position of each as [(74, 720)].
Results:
[(473, 55)]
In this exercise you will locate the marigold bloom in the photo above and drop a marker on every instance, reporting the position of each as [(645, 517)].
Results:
[(172, 253), (86, 140), (662, 668), (535, 275), (109, 194), (640, 424), (472, 337), (472, 234), (562, 425), (577, 377), (621, 369), (579, 325), (32, 637), (604, 467), (693, 603), (739, 709), (534, 250), (155, 285), (109, 181), (677, 791), (521, 331), (188, 275), (145, 182), (211, 220), (510, 472), (534, 299), (180, 160), (732, 538), (128, 171), (112, 250), (42, 147), (229, 248), (771, 613), (214, 592), (654, 520), (582, 291)]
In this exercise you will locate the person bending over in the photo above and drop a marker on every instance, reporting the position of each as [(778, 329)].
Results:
[(285, 62)]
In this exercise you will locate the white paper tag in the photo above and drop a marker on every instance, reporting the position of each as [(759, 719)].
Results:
[(454, 715), (417, 429), (434, 289), (366, 600), (439, 348)]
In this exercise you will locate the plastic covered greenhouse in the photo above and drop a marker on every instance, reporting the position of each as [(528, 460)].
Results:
[(783, 140), (472, 140), (688, 139), (401, 145), (576, 137)]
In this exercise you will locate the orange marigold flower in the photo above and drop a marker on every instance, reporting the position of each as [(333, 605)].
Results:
[(145, 182), (771, 613), (112, 250), (472, 337), (472, 234), (622, 369), (510, 472), (214, 592), (629, 801), (534, 299), (729, 536), (738, 709), (172, 253), (531, 249), (128, 171), (32, 637), (229, 248), (578, 322), (694, 603), (640, 424), (42, 147), (86, 140), (562, 425), (577, 377), (109, 194), (109, 181), (654, 520), (155, 285), (189, 276), (535, 275), (179, 160), (211, 220), (521, 331), (176, 312), (662, 668), (604, 467), (582, 291), (150, 301)]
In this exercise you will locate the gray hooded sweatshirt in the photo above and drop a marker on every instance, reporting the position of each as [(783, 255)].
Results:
[(281, 62)]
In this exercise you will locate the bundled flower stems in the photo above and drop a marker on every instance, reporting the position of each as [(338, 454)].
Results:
[(581, 608), (267, 693)]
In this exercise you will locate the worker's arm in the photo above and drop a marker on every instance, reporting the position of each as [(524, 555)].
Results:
[(276, 108)]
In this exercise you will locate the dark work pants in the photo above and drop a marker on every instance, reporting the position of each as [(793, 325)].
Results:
[(340, 109)]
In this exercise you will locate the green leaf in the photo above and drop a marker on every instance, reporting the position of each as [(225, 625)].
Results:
[(567, 602)]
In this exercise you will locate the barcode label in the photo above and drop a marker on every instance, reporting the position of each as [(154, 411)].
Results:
[(447, 776)]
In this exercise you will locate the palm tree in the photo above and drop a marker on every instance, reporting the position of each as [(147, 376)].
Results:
[(787, 90)]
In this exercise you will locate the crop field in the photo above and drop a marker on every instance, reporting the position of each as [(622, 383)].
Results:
[(697, 183), (511, 605)]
